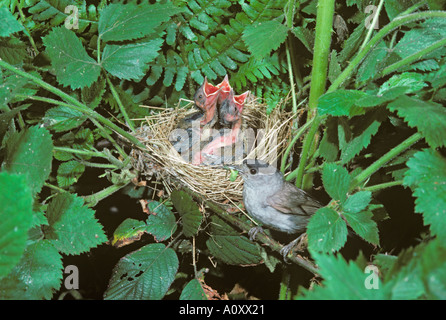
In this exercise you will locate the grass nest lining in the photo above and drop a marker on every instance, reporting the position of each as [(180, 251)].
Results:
[(162, 161)]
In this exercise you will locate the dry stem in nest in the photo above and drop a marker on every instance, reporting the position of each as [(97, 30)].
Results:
[(161, 160)]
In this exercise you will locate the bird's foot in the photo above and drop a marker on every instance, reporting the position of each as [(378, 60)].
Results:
[(253, 232), (296, 243)]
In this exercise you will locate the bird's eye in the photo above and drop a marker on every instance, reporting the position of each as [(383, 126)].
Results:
[(253, 171), (200, 96)]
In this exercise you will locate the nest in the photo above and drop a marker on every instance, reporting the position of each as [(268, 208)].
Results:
[(162, 161)]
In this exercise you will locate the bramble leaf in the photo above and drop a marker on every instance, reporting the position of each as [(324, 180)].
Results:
[(73, 66), (427, 177), (72, 228), (119, 22), (130, 61), (327, 231), (263, 37), (193, 291), (145, 274), (162, 223), (16, 217), (336, 181), (129, 231)]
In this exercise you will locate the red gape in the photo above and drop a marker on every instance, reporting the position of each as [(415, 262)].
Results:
[(206, 98), (230, 113)]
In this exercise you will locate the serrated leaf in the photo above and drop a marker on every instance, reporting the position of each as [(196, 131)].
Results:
[(305, 36), (427, 176), (357, 202), (263, 37), (12, 50), (63, 118), (340, 103), (336, 181), (334, 69), (342, 280), (327, 231), (129, 231), (8, 23), (69, 173), (363, 224), (370, 65), (16, 217), (93, 94), (30, 153), (145, 274), (193, 291), (228, 246), (189, 212), (72, 228), (36, 276), (73, 66), (130, 61), (119, 22), (161, 223), (432, 125)]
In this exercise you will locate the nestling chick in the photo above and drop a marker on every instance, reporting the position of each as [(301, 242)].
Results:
[(274, 202)]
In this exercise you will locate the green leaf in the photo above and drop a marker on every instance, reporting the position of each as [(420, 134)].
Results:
[(72, 228), (73, 66), (161, 223), (334, 69), (263, 37), (129, 231), (15, 216), (342, 280), (93, 94), (8, 24), (130, 61), (145, 274), (189, 212), (36, 276), (340, 103), (30, 153), (327, 231), (227, 245), (427, 176), (119, 22), (363, 224), (370, 66), (193, 291), (69, 173), (357, 202), (432, 125), (336, 181), (63, 118)]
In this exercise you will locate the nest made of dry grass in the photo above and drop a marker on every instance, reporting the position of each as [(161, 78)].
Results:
[(161, 160)]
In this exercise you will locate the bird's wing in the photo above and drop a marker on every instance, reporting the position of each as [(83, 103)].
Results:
[(292, 200)]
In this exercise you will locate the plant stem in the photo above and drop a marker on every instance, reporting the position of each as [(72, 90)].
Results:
[(121, 106), (75, 105), (284, 293), (384, 185), (413, 57), (28, 34), (366, 173)]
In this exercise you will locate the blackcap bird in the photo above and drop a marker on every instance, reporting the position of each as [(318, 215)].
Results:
[(274, 202)]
